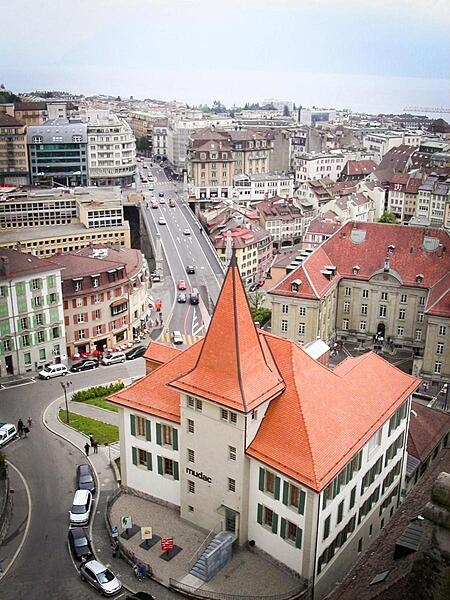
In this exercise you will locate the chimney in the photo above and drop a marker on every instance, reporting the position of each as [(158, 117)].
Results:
[(4, 265)]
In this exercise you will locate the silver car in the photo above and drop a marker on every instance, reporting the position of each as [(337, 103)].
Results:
[(100, 577)]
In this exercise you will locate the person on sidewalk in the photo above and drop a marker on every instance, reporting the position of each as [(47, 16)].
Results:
[(29, 422), (20, 427), (91, 440), (95, 446), (86, 448)]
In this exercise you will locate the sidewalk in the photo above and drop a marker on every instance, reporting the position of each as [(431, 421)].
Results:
[(248, 573)]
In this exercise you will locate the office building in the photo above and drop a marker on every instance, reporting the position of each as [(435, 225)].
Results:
[(13, 151)]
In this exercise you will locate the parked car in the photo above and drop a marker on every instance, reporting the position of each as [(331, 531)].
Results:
[(80, 512), (100, 577), (261, 282), (186, 231), (161, 221), (50, 371), (85, 365), (85, 478), (79, 543), (182, 284), (177, 338), (8, 432), (135, 352), (161, 194), (181, 297), (114, 358), (190, 269)]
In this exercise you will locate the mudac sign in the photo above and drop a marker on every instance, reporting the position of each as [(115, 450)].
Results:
[(198, 474)]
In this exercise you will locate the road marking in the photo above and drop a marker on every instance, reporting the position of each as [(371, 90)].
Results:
[(17, 383)]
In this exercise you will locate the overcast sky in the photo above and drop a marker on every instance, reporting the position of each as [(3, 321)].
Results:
[(364, 54)]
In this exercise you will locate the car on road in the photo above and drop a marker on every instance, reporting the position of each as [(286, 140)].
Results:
[(172, 203), (135, 352), (113, 358), (50, 371), (8, 432), (100, 577), (177, 338), (161, 221), (261, 282), (79, 543), (154, 204), (194, 297), (186, 231), (182, 284), (80, 513), (84, 365), (181, 297), (85, 478), (161, 194), (253, 287), (190, 269)]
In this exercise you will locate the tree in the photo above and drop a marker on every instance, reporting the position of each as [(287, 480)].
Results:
[(388, 217), (142, 144), (256, 301)]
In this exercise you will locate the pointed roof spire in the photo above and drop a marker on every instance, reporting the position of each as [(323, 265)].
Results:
[(235, 367)]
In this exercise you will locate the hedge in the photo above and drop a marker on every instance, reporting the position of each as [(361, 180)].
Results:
[(97, 391)]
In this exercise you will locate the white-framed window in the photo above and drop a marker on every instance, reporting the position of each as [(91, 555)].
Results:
[(167, 466), (79, 302), (400, 331), (81, 334), (382, 311), (231, 484), (190, 426), (402, 314), (284, 325), (285, 309), (198, 405), (364, 309), (80, 318), (224, 414), (302, 311), (190, 402), (418, 335), (403, 298), (362, 325), (301, 328), (384, 296), (420, 317), (440, 348), (365, 293), (345, 324), (442, 330), (191, 486), (190, 455), (346, 307), (422, 301), (437, 367), (232, 452), (348, 291), (40, 337)]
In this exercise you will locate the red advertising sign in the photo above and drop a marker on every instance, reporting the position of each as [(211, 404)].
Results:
[(167, 544)]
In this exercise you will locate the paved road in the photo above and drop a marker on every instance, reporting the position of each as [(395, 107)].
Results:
[(43, 568)]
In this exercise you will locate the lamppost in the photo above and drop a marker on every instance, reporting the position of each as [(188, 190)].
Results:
[(65, 385)]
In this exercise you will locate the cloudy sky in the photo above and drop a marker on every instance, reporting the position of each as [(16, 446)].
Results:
[(374, 55)]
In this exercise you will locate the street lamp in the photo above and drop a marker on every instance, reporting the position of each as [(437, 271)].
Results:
[(65, 385)]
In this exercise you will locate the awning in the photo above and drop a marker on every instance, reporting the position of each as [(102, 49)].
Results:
[(118, 302)]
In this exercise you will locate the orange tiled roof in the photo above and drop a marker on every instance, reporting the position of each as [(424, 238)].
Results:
[(235, 368), (427, 427), (324, 417), (161, 353)]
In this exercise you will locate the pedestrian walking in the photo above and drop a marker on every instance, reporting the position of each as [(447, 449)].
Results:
[(86, 448), (95, 446), (29, 422), (20, 427), (91, 439), (26, 431)]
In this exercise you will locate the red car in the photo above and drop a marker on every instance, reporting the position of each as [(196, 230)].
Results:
[(182, 284)]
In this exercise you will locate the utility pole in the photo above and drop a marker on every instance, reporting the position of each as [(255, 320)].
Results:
[(65, 385)]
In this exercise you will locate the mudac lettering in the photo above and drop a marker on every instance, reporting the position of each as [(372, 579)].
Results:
[(198, 474)]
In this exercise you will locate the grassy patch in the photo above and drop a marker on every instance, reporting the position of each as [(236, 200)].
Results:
[(102, 432), (102, 403)]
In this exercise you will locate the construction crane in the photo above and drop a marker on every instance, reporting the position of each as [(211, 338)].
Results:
[(427, 109)]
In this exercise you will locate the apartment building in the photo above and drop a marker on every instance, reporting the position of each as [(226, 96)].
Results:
[(249, 189), (381, 142), (57, 153), (282, 219), (160, 139), (104, 292), (13, 151), (211, 165), (43, 222), (31, 313), (316, 166), (403, 196), (373, 279), (211, 431), (111, 150), (433, 200)]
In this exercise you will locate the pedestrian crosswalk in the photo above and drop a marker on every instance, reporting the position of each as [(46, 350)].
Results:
[(188, 340)]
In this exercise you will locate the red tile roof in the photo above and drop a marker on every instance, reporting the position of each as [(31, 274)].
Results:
[(160, 353), (18, 264), (358, 167), (9, 121), (427, 427), (235, 367), (352, 402)]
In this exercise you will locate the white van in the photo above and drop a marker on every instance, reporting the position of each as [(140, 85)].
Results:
[(50, 371), (8, 432), (80, 512), (114, 358)]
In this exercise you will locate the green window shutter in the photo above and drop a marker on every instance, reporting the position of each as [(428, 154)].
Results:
[(4, 327), (22, 304), (3, 310), (276, 492), (285, 492), (149, 461), (283, 528), (34, 321), (260, 512), (134, 455), (275, 523), (133, 424), (301, 503), (298, 538), (54, 315), (51, 281), (148, 430), (175, 439), (261, 479), (20, 288), (160, 465), (30, 283), (158, 434), (176, 474)]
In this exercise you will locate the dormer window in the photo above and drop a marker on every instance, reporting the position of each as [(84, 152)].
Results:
[(295, 285), (391, 248), (356, 270), (95, 280), (419, 278), (78, 284)]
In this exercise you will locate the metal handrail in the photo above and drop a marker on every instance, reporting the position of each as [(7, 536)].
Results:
[(194, 558), (295, 594)]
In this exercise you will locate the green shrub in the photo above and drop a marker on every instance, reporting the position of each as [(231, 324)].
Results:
[(97, 391)]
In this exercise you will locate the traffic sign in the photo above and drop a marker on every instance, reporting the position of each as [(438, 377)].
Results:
[(167, 544), (126, 522)]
